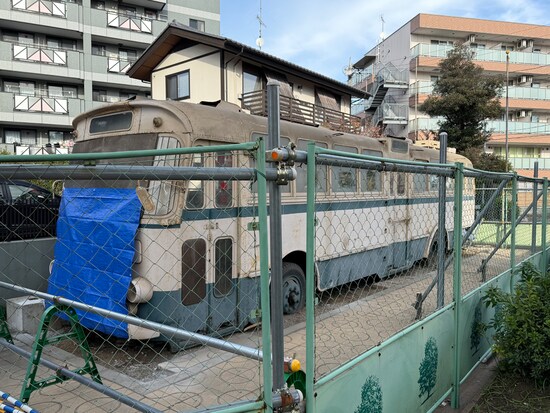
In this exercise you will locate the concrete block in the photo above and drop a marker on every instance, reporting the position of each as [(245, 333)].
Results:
[(23, 314)]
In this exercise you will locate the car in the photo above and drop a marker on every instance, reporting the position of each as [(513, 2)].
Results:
[(27, 211)]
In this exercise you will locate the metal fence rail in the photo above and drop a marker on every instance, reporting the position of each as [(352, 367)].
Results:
[(166, 262)]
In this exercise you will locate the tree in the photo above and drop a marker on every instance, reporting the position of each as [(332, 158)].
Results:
[(465, 98), (371, 397), (428, 369)]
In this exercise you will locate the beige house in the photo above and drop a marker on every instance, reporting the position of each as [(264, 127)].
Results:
[(186, 64)]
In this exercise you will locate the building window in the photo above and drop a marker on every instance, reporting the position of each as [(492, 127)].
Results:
[(196, 24), (98, 49), (55, 136), (57, 43), (99, 95), (128, 55), (505, 47), (23, 136), (477, 46), (127, 11), (19, 88), (96, 4), (62, 91), (177, 86)]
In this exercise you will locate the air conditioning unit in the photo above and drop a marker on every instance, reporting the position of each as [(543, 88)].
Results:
[(471, 38), (522, 44), (525, 79)]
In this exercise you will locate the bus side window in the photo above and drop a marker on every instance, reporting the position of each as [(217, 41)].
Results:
[(162, 192), (195, 189), (320, 174), (343, 178), (193, 271), (223, 282), (401, 183), (285, 189), (420, 181), (371, 181), (224, 189)]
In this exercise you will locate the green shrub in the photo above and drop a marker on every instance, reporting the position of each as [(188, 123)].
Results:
[(522, 325)]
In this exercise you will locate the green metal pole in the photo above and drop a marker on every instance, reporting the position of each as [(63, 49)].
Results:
[(543, 263), (310, 279), (264, 276), (127, 154), (457, 280), (513, 218)]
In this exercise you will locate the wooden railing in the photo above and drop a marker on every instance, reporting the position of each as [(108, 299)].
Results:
[(299, 111)]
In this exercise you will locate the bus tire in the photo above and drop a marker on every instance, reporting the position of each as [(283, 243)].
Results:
[(294, 288)]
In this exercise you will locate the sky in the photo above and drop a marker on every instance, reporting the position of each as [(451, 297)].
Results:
[(325, 35)]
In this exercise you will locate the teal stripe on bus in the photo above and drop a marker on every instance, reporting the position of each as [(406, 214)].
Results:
[(248, 212)]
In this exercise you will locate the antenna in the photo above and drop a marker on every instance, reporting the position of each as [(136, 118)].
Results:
[(382, 34), (260, 40), (348, 70)]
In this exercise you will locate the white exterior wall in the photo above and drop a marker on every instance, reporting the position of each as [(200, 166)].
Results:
[(204, 73)]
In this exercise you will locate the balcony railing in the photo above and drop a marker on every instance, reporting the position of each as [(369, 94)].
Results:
[(52, 8), (25, 103), (390, 114), (496, 126), (425, 87), (132, 23), (299, 111), (529, 163), (486, 55), (119, 65), (32, 53)]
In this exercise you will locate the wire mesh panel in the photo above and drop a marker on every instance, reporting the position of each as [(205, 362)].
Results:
[(376, 249), (180, 253)]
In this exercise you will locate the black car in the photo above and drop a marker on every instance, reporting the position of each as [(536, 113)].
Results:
[(27, 211)]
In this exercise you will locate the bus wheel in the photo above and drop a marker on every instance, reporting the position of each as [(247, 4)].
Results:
[(294, 288)]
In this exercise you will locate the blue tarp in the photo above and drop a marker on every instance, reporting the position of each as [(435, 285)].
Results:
[(94, 252)]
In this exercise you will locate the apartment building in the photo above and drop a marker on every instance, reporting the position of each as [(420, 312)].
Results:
[(400, 71), (60, 58)]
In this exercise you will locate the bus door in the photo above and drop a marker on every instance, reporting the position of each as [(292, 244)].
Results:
[(400, 220), (223, 227)]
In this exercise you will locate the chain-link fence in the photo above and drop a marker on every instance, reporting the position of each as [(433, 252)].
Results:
[(154, 271), (168, 247)]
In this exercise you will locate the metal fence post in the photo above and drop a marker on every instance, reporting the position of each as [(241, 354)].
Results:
[(276, 242), (457, 279), (442, 233), (310, 278), (535, 212), (264, 277), (544, 264), (513, 218)]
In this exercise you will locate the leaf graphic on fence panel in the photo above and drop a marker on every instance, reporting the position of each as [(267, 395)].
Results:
[(371, 396), (428, 369)]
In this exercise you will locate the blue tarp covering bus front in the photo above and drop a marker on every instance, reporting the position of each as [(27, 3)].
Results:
[(94, 252)]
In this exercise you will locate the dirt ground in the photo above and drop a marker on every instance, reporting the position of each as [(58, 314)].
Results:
[(513, 394)]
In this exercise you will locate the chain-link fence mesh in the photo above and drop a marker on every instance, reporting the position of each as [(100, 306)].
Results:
[(181, 253), (185, 253)]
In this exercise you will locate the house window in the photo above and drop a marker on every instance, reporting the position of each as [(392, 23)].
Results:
[(196, 24), (177, 86), (252, 82)]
